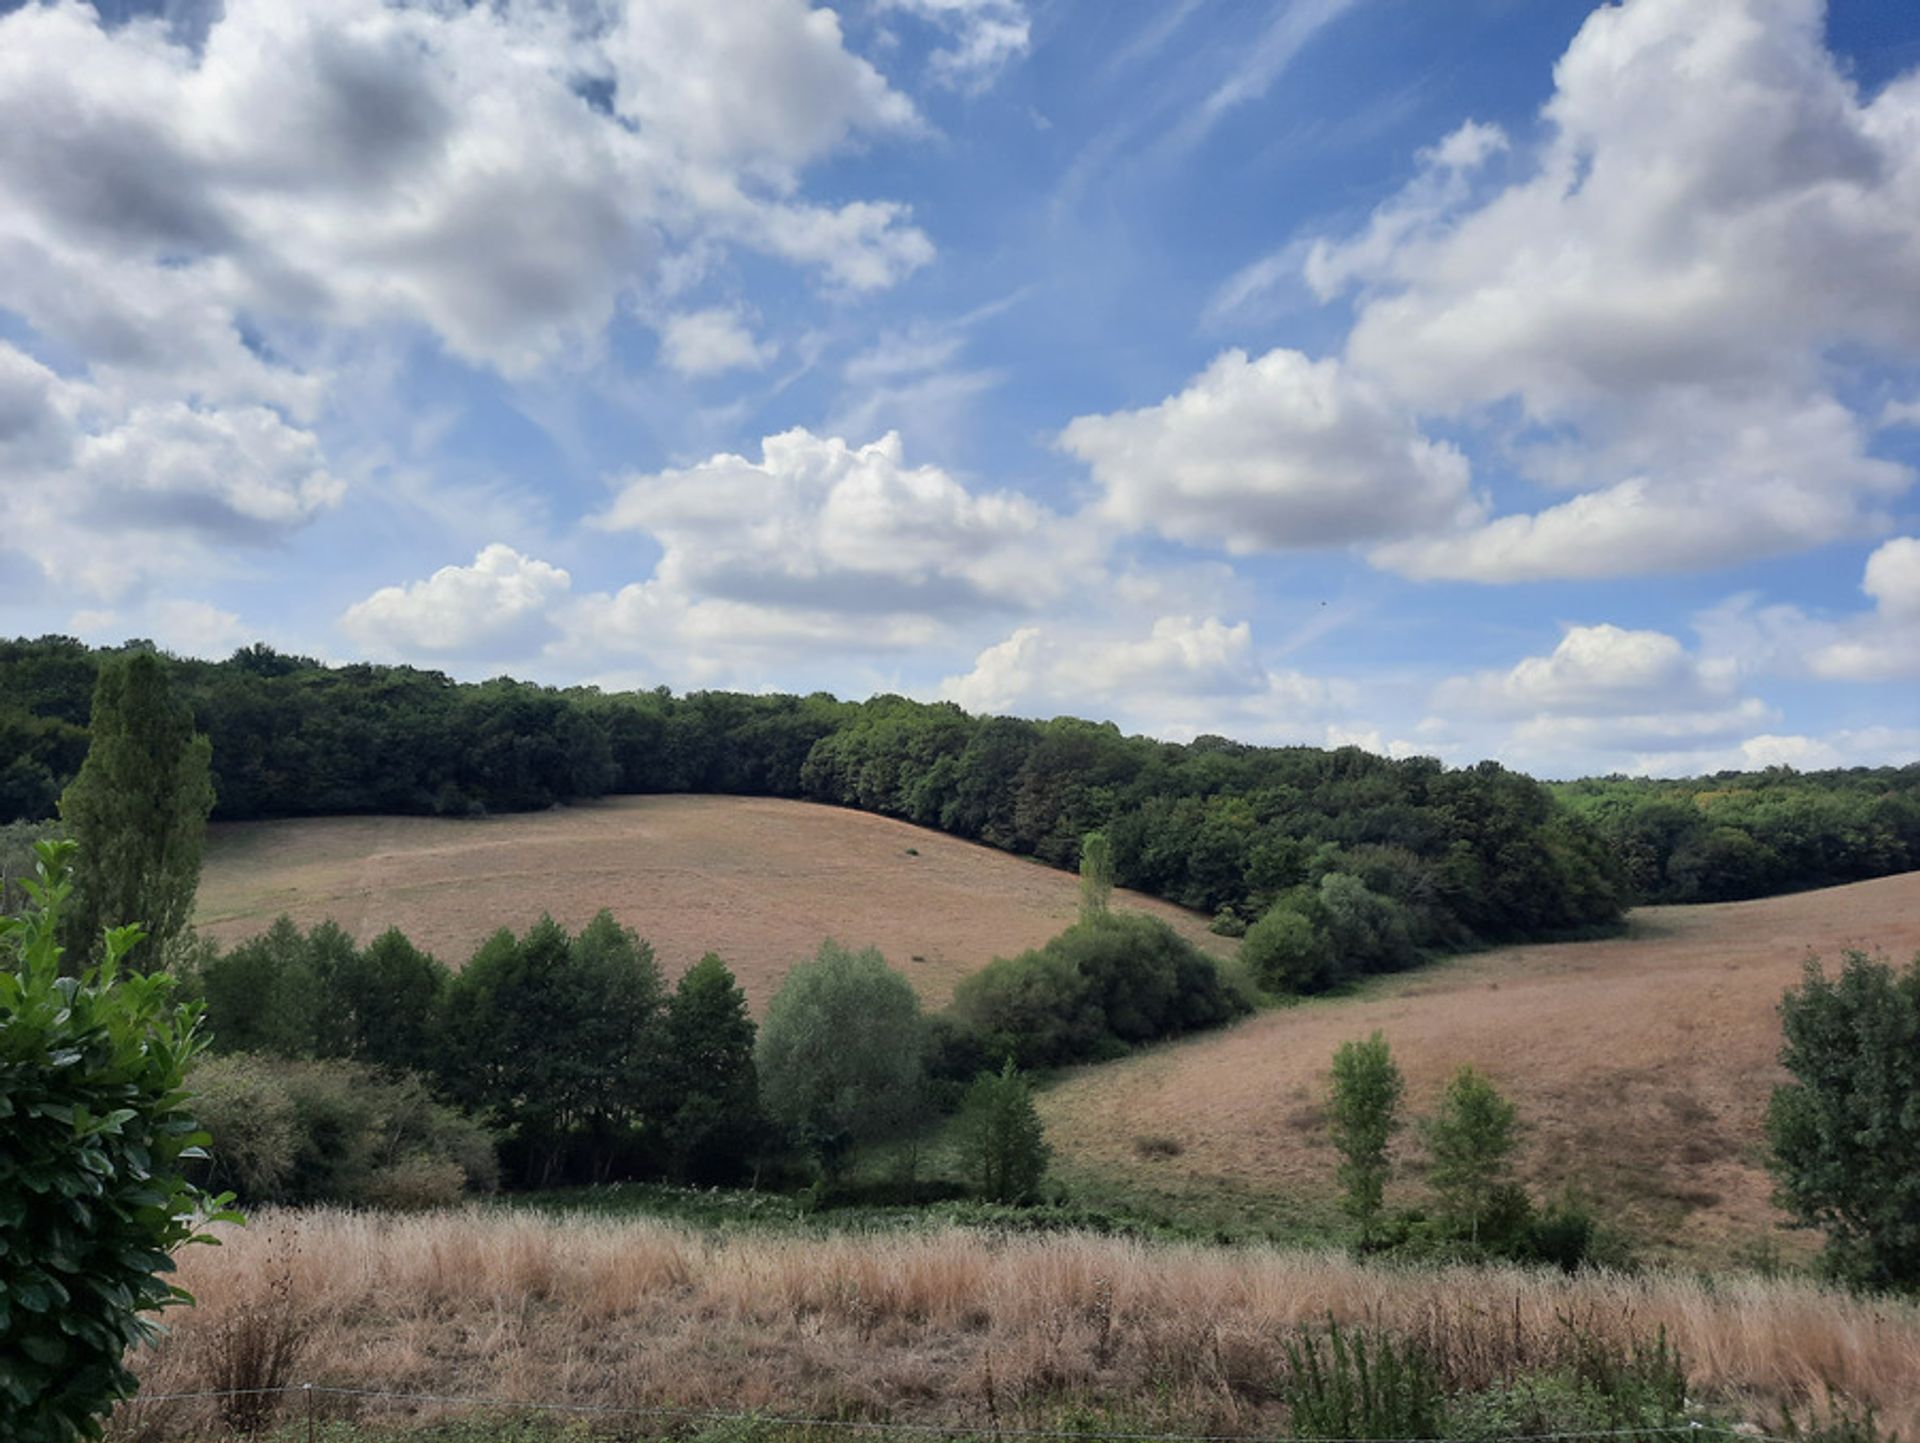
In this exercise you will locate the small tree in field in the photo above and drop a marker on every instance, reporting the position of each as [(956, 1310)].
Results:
[(1002, 1145), (1096, 876), (1472, 1139), (92, 1196), (1846, 1131), (1363, 1111), (138, 809)]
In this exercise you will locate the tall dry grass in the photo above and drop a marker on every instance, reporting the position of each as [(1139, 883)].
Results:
[(956, 1327)]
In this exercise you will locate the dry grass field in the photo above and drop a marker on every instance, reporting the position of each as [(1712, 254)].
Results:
[(758, 880), (959, 1328), (1642, 1065)]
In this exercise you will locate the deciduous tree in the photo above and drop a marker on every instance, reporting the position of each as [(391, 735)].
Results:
[(138, 809), (1846, 1131), (1363, 1110)]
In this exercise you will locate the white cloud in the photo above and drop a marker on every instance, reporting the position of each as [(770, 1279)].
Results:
[(1179, 678), (184, 627), (1715, 211), (501, 606), (987, 36), (1882, 644), (819, 525), (1273, 453), (1595, 671), (1604, 697), (103, 497), (202, 221), (708, 342)]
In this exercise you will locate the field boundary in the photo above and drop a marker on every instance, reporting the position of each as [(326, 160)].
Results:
[(308, 1392)]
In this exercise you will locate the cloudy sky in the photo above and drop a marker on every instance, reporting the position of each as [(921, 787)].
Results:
[(1487, 377)]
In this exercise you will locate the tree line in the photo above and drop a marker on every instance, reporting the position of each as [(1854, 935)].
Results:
[(1465, 855), (1736, 835), (571, 1053)]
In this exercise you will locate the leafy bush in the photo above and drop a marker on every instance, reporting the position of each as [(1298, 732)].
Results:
[(1094, 990), (93, 1198), (334, 1131)]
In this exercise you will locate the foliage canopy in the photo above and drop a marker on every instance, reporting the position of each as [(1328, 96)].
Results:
[(93, 1192)]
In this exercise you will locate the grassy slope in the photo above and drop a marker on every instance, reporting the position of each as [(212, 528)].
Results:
[(1641, 1063), (758, 880)]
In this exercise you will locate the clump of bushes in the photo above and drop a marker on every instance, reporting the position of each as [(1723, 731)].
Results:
[(1100, 987), (297, 1131), (1317, 936)]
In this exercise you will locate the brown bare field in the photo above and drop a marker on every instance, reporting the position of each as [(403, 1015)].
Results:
[(759, 880), (1641, 1066), (958, 1328)]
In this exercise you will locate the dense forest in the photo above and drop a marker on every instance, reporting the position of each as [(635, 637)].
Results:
[(1477, 853)]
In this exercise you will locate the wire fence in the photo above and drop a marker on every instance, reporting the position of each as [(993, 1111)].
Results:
[(311, 1394)]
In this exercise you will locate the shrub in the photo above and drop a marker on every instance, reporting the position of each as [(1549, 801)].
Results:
[(336, 1131), (1287, 951), (1227, 923), (1094, 990), (93, 1198), (1354, 1386)]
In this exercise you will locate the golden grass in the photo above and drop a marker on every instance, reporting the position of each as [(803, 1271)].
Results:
[(951, 1327), (759, 880), (1641, 1065)]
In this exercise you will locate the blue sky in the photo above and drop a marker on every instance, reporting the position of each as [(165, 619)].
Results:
[(1501, 378)]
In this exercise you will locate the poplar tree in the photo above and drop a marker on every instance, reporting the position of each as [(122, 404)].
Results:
[(1096, 876), (1363, 1111), (138, 809)]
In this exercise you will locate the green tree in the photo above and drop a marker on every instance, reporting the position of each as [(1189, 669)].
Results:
[(1286, 951), (1003, 1147), (1471, 1140), (93, 1199), (387, 999), (138, 809), (842, 1052), (1363, 1108), (557, 1040), (715, 1120), (1845, 1133), (264, 995), (1096, 876)]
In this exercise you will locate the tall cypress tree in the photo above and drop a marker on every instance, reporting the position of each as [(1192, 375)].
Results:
[(138, 809)]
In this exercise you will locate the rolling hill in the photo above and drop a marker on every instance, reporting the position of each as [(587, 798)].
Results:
[(759, 880), (1641, 1065)]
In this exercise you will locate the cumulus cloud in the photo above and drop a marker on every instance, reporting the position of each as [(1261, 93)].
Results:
[(706, 343), (1604, 695), (103, 497), (203, 219), (817, 524), (1714, 213), (501, 606), (1274, 453), (1879, 644), (1180, 677)]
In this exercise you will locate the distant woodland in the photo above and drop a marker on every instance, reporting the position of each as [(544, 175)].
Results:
[(1470, 854)]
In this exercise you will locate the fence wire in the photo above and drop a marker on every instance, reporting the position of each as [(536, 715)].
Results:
[(311, 1391)]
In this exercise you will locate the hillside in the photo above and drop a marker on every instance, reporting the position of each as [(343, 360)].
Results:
[(759, 880), (1642, 1064)]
